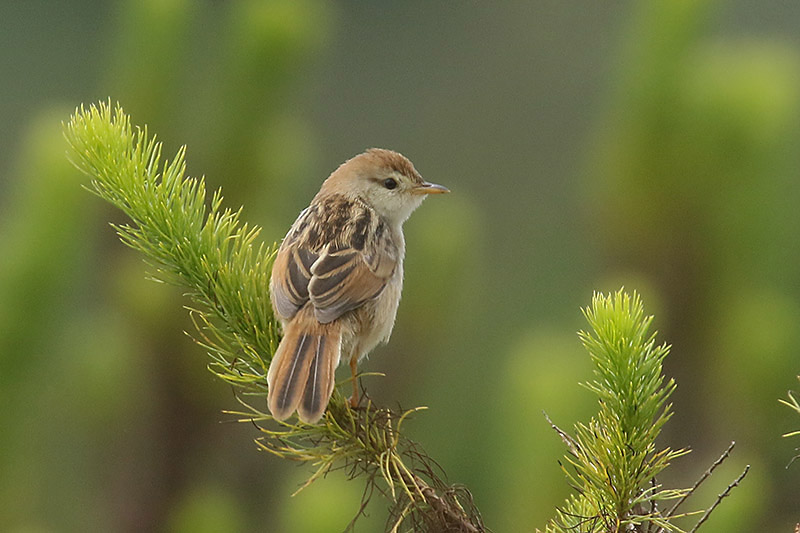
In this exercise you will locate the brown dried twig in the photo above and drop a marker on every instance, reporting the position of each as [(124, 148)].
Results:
[(705, 476), (723, 495)]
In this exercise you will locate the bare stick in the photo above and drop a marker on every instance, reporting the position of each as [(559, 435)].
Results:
[(569, 441), (705, 476), (720, 497)]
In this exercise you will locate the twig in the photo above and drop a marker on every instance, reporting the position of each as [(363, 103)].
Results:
[(795, 458), (443, 507), (451, 514), (705, 476), (569, 441), (653, 506), (720, 498)]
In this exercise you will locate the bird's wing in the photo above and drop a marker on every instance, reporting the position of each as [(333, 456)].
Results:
[(344, 278), (291, 275)]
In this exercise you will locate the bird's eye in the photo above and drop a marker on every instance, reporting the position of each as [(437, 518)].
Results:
[(390, 183)]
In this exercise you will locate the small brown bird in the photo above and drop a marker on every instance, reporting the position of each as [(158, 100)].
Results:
[(337, 278)]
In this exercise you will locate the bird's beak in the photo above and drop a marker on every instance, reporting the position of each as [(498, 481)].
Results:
[(430, 188)]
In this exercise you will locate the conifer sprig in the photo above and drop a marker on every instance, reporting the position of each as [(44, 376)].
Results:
[(189, 240), (613, 461)]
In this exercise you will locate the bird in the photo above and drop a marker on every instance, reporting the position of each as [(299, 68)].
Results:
[(337, 278)]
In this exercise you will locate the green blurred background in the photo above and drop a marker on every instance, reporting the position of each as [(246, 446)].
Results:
[(589, 145)]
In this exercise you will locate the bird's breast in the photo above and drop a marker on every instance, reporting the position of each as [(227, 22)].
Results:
[(373, 322)]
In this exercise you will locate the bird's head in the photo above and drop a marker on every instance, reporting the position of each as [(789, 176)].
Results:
[(386, 180)]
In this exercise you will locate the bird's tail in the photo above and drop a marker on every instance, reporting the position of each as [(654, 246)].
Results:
[(301, 375)]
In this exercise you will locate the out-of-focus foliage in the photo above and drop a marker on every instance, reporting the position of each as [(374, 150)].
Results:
[(103, 391), (589, 145), (696, 186)]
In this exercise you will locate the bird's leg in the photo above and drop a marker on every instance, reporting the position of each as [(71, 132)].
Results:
[(354, 372)]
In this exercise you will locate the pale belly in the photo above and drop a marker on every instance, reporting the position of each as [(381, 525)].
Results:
[(372, 323)]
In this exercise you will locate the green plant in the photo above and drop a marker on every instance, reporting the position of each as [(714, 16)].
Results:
[(613, 462)]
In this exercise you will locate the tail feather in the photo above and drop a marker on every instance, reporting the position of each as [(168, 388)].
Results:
[(288, 373), (301, 375), (319, 385)]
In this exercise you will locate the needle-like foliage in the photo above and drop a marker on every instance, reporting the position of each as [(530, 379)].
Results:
[(189, 240), (792, 403), (193, 241), (613, 461)]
